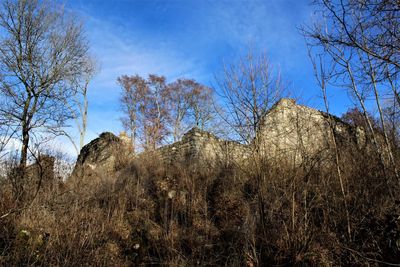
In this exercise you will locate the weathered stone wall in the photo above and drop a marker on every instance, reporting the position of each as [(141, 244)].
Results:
[(204, 147), (291, 132)]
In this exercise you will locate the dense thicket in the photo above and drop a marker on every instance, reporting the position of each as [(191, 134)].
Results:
[(253, 215)]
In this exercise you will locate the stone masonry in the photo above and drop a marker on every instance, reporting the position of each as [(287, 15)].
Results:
[(201, 146), (289, 133)]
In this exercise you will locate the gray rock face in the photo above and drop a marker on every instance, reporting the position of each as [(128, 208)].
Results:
[(101, 157)]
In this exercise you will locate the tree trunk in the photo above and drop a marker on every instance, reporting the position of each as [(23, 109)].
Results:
[(25, 131), (25, 143), (84, 121)]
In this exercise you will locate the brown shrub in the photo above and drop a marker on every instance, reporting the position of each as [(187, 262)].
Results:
[(259, 215)]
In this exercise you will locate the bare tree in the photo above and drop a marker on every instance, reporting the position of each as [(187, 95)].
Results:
[(79, 104), (392, 119), (190, 105), (144, 104), (155, 112), (179, 95), (132, 99), (366, 26), (82, 102), (322, 76), (354, 116), (41, 51), (249, 88), (202, 106), (361, 38)]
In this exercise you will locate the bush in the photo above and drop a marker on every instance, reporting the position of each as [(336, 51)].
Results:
[(176, 215)]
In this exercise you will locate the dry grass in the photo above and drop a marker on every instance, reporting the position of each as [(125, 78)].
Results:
[(187, 215)]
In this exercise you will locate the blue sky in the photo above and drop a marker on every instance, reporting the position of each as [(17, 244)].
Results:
[(192, 39)]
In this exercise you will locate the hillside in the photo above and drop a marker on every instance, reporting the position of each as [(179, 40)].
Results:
[(188, 204)]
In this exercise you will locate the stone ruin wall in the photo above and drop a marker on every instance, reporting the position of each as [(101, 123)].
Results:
[(292, 132), (201, 146), (289, 133)]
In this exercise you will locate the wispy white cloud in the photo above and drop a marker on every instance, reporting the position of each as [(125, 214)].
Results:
[(271, 26), (193, 45), (120, 50)]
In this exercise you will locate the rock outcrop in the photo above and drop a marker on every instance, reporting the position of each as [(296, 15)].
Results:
[(101, 157)]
